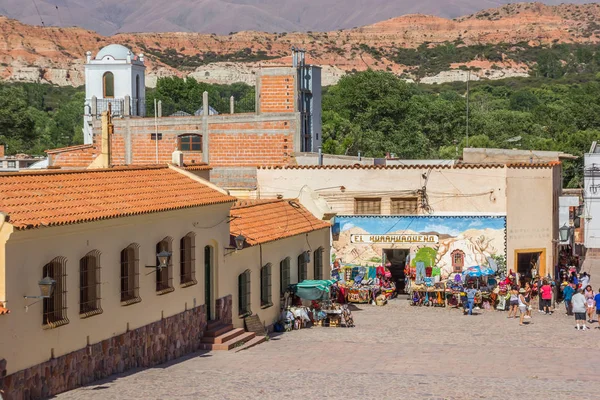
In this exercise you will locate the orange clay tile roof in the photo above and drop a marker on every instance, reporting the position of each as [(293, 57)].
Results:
[(49, 198), (420, 166), (197, 167), (263, 221), (3, 310)]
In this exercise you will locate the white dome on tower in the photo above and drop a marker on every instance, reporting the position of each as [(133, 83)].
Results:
[(116, 51)]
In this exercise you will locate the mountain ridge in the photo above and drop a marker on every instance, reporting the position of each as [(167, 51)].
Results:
[(223, 16), (56, 55)]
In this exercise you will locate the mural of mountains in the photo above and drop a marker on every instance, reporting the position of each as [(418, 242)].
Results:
[(223, 16), (493, 43)]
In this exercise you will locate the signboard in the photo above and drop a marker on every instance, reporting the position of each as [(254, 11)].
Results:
[(390, 239)]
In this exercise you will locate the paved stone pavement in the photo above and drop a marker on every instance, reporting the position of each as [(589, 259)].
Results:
[(394, 352)]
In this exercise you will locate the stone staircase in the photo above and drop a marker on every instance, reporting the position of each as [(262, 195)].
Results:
[(221, 336)]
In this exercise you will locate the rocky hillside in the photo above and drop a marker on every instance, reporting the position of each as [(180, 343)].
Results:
[(494, 43)]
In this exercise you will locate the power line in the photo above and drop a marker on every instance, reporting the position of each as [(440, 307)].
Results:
[(38, 12)]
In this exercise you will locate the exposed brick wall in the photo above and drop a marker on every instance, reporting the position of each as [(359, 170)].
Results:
[(276, 93), (78, 157), (268, 143), (147, 346)]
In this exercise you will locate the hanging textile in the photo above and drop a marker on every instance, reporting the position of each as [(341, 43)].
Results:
[(420, 272)]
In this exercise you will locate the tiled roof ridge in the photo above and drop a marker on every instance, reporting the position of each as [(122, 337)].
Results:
[(59, 171), (419, 166), (245, 203), (69, 148)]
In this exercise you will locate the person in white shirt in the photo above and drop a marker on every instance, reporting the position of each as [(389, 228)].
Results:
[(579, 305)]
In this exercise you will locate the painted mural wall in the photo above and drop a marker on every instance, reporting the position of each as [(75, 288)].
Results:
[(450, 243)]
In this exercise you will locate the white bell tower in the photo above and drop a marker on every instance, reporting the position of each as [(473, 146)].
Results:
[(116, 77)]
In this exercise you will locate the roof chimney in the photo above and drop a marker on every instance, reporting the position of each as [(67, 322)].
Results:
[(177, 158)]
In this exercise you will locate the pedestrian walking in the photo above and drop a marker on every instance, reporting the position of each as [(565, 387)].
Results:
[(568, 292), (471, 292), (546, 297), (589, 300), (585, 280), (597, 302), (579, 309), (523, 306), (527, 295), (514, 302)]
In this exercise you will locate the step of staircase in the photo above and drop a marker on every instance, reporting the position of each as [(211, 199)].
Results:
[(218, 330), (224, 337), (230, 344), (214, 323), (251, 343)]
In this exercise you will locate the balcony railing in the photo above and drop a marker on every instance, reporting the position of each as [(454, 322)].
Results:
[(119, 107)]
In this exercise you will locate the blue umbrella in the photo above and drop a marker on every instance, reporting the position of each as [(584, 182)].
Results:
[(474, 272), (488, 271)]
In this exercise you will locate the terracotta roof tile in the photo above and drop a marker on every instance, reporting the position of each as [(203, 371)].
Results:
[(419, 166), (3, 310), (263, 221), (197, 167), (66, 197)]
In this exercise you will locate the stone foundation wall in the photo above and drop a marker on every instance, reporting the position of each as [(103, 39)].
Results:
[(144, 347), (224, 309)]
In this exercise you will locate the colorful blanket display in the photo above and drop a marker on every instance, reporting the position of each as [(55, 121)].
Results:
[(360, 284)]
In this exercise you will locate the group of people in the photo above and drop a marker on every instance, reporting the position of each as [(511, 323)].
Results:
[(582, 302)]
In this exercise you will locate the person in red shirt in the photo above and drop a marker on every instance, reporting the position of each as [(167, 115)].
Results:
[(546, 297)]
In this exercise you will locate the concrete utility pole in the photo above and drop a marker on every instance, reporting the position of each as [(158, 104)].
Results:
[(468, 79)]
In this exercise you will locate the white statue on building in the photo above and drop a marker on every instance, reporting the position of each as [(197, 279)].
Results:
[(116, 77)]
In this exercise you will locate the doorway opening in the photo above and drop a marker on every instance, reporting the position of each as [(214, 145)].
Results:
[(208, 280), (529, 264), (397, 259)]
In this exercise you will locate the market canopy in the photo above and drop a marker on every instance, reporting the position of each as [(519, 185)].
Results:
[(313, 290)]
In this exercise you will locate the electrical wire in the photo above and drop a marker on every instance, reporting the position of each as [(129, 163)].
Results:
[(38, 12)]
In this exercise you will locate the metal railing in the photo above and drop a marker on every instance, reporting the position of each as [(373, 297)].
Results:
[(119, 107)]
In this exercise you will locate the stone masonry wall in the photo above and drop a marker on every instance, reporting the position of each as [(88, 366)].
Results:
[(224, 309), (147, 346)]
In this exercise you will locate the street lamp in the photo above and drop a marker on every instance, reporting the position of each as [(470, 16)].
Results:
[(46, 288), (563, 232), (163, 259), (240, 241)]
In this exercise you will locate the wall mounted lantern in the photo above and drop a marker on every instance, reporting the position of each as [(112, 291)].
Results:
[(240, 241), (563, 233), (46, 288)]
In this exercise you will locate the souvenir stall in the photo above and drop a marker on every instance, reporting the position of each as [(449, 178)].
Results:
[(358, 284), (322, 310)]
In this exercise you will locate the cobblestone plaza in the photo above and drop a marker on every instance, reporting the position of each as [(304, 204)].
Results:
[(394, 352)]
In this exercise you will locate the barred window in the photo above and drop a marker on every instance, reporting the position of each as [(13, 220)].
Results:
[(89, 284), (318, 263), (164, 276), (188, 260), (244, 293), (190, 143), (284, 275), (302, 267), (265, 286), (367, 206), (458, 260), (54, 312), (130, 273), (404, 205)]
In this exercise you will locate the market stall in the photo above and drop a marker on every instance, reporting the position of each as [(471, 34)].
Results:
[(323, 310), (359, 284)]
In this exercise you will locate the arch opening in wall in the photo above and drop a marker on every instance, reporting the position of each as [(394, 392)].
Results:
[(108, 85)]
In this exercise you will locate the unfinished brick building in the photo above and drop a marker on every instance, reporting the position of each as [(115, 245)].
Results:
[(287, 120)]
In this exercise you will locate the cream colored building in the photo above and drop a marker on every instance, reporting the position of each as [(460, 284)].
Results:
[(285, 244), (95, 233), (525, 193)]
